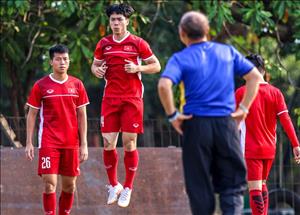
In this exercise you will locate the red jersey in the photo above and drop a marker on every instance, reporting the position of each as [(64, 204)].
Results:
[(259, 131), (119, 83), (58, 102)]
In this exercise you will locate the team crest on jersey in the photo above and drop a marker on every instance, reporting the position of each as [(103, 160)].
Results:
[(128, 48), (107, 47), (71, 90), (50, 91)]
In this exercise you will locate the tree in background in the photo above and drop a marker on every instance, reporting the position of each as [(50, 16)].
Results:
[(29, 28)]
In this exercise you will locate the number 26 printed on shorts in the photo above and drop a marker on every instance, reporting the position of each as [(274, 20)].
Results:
[(46, 164)]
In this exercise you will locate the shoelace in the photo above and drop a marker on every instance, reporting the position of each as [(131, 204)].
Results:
[(109, 187), (125, 194)]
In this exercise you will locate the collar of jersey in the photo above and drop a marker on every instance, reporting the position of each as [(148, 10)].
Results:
[(56, 81), (119, 41), (263, 82)]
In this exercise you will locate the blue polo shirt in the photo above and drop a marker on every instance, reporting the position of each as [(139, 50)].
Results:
[(207, 70)]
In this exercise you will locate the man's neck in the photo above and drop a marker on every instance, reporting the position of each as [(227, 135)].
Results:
[(120, 37), (59, 76), (191, 41)]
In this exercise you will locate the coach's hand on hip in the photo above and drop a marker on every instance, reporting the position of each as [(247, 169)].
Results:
[(239, 115), (177, 122)]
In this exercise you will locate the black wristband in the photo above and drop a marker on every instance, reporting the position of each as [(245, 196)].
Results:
[(172, 115)]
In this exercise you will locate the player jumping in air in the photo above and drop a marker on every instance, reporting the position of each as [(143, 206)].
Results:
[(117, 59)]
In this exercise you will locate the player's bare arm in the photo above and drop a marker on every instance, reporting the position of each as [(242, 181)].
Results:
[(152, 66), (289, 129), (252, 83), (30, 124), (99, 68), (166, 97), (82, 129)]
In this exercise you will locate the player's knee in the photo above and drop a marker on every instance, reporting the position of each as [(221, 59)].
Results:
[(69, 188), (108, 144), (129, 146), (50, 187), (129, 142)]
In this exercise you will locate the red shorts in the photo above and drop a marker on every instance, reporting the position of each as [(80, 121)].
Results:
[(258, 169), (59, 161), (122, 115)]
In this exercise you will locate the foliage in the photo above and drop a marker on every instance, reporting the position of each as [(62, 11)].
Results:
[(28, 28), (297, 112)]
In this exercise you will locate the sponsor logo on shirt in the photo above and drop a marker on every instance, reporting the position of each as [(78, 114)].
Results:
[(136, 125), (50, 91), (127, 48), (71, 90), (107, 47)]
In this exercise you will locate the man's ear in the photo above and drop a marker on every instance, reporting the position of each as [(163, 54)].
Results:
[(182, 35)]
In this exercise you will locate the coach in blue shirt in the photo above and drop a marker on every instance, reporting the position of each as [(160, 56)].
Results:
[(211, 154)]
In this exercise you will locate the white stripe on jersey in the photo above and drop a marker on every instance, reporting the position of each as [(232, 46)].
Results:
[(95, 59), (148, 58), (285, 111), (139, 61), (104, 85), (33, 106), (60, 95), (243, 136), (82, 105), (120, 52), (41, 127)]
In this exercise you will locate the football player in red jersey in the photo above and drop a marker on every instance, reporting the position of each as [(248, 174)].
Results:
[(258, 136), (61, 102), (117, 59)]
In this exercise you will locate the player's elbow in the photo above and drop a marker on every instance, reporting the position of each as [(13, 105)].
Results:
[(157, 67)]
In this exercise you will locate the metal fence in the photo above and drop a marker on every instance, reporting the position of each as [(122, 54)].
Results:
[(157, 133), (284, 178)]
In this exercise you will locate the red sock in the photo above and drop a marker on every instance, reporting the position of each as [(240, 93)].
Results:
[(265, 195), (131, 160), (256, 202), (65, 203), (49, 202), (110, 159)]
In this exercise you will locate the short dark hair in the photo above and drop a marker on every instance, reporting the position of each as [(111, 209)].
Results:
[(194, 24), (258, 62), (124, 9), (58, 48)]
